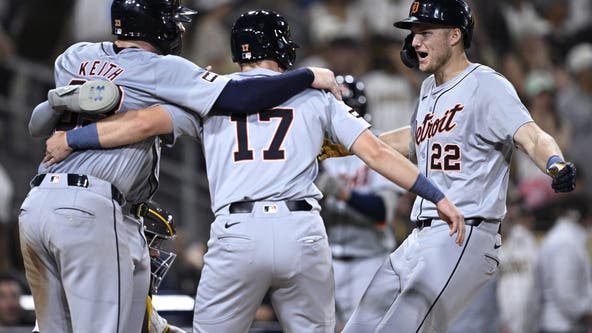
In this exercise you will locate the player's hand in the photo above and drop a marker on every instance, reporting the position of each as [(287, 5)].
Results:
[(330, 149), (564, 176), (325, 79), (455, 219), (56, 149)]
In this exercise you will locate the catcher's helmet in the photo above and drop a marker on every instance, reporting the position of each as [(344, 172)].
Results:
[(455, 13), (354, 94), (262, 34), (159, 22), (158, 226)]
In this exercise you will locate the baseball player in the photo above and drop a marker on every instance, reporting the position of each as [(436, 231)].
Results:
[(75, 225), (159, 227), (268, 234), (468, 122), (358, 209)]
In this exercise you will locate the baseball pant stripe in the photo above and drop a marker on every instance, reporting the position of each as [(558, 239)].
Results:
[(118, 264), (448, 281)]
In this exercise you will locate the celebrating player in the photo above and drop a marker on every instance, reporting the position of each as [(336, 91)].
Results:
[(75, 226), (467, 124), (268, 234)]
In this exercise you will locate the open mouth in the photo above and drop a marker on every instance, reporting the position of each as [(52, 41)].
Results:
[(422, 55)]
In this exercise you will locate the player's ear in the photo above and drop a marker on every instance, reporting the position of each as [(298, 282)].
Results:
[(455, 36)]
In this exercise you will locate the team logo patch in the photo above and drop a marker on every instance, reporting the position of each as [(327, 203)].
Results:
[(247, 55), (54, 179), (414, 8), (354, 113), (118, 23), (209, 76), (270, 209), (245, 47)]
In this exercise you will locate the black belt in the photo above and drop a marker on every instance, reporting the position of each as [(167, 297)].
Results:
[(428, 222), (81, 181), (138, 210), (247, 206), (345, 258)]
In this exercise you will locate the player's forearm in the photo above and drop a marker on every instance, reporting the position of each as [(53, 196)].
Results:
[(399, 139), (43, 120), (395, 167), (133, 126), (386, 161), (537, 144)]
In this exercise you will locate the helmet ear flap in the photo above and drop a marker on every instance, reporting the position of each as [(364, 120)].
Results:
[(408, 54)]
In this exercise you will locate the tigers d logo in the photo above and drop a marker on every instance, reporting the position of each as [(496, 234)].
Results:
[(414, 8)]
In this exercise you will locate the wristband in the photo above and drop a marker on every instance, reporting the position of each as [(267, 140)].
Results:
[(85, 137), (425, 189), (552, 160)]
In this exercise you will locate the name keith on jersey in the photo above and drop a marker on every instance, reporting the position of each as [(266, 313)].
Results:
[(430, 126), (106, 69)]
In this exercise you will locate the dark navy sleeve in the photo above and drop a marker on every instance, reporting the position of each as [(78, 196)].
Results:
[(254, 94), (368, 204)]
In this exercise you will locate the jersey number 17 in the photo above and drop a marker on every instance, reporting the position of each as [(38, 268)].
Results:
[(273, 151)]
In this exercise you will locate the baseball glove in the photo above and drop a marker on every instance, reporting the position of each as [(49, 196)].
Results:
[(331, 149)]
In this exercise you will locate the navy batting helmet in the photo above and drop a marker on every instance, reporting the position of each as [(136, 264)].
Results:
[(262, 34), (455, 13), (353, 92), (159, 22)]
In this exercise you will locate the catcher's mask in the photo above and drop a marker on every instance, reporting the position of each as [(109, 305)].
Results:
[(262, 34), (159, 226), (354, 94), (159, 22)]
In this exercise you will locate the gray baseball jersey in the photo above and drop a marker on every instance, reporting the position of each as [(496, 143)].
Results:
[(146, 79), (463, 132), (464, 137), (81, 251), (278, 242)]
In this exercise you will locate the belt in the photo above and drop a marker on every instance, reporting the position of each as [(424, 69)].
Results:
[(345, 258), (81, 181), (428, 222), (138, 210), (247, 206)]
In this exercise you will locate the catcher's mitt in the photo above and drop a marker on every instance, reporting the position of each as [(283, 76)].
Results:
[(331, 149)]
